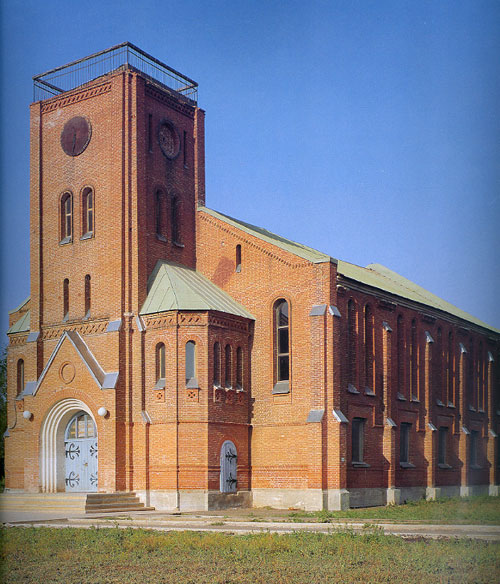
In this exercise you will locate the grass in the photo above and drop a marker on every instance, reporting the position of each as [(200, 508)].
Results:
[(112, 555), (467, 510)]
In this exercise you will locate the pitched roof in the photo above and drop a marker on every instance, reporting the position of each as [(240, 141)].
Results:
[(378, 276), (307, 253), (175, 287), (25, 301), (374, 275), (22, 325)]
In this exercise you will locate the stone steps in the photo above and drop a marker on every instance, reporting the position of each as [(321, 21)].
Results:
[(114, 502)]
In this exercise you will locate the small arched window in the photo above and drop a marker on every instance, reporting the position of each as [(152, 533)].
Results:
[(190, 356), (87, 296), (228, 367), (66, 213), (160, 366), (20, 376), (239, 368), (282, 347), (87, 213), (161, 215), (65, 299), (175, 214), (238, 258), (217, 365)]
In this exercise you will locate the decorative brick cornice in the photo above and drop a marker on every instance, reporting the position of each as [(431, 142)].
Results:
[(172, 103), (159, 321), (17, 340), (76, 97), (84, 328), (227, 323)]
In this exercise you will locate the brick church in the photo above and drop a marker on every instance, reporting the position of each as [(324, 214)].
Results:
[(199, 361)]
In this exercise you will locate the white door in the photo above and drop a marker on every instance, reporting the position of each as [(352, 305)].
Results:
[(81, 454)]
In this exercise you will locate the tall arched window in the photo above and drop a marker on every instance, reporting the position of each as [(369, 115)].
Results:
[(161, 215), (228, 382), (66, 213), (65, 299), (450, 367), (400, 356), (351, 343), (20, 376), (369, 349), (175, 213), (413, 361), (191, 364), (282, 346), (87, 296), (438, 386), (239, 368), (216, 364), (160, 365), (480, 379), (469, 376), (87, 212)]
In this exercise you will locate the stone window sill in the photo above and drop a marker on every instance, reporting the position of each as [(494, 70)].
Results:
[(444, 466), (177, 244), (65, 241), (161, 237), (406, 465), (88, 235), (360, 465), (281, 387)]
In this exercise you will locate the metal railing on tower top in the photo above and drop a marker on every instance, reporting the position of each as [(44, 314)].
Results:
[(77, 73)]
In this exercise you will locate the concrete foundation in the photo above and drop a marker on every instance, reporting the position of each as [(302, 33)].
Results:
[(305, 499), (336, 499)]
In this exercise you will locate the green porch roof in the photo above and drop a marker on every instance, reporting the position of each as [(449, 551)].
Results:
[(22, 325), (378, 276), (175, 287)]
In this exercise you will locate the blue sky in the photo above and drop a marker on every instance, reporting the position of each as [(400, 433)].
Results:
[(368, 130)]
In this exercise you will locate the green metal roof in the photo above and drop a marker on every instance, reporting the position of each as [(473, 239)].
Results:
[(307, 253), (378, 276), (20, 306), (22, 325), (175, 287)]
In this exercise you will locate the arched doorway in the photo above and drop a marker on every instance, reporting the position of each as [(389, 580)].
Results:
[(80, 449), (55, 431)]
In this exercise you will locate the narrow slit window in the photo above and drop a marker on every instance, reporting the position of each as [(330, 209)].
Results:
[(400, 356), (65, 299), (175, 212), (239, 368), (160, 362), (413, 361), (282, 341), (20, 376), (358, 439), (351, 343), (217, 365), (150, 133), (369, 360), (190, 364), (404, 442), (238, 258), (87, 296), (442, 445), (184, 155), (161, 215), (228, 367)]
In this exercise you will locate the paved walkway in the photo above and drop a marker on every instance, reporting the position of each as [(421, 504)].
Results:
[(238, 522)]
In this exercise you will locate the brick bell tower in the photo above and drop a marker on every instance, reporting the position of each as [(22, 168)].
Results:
[(117, 172)]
